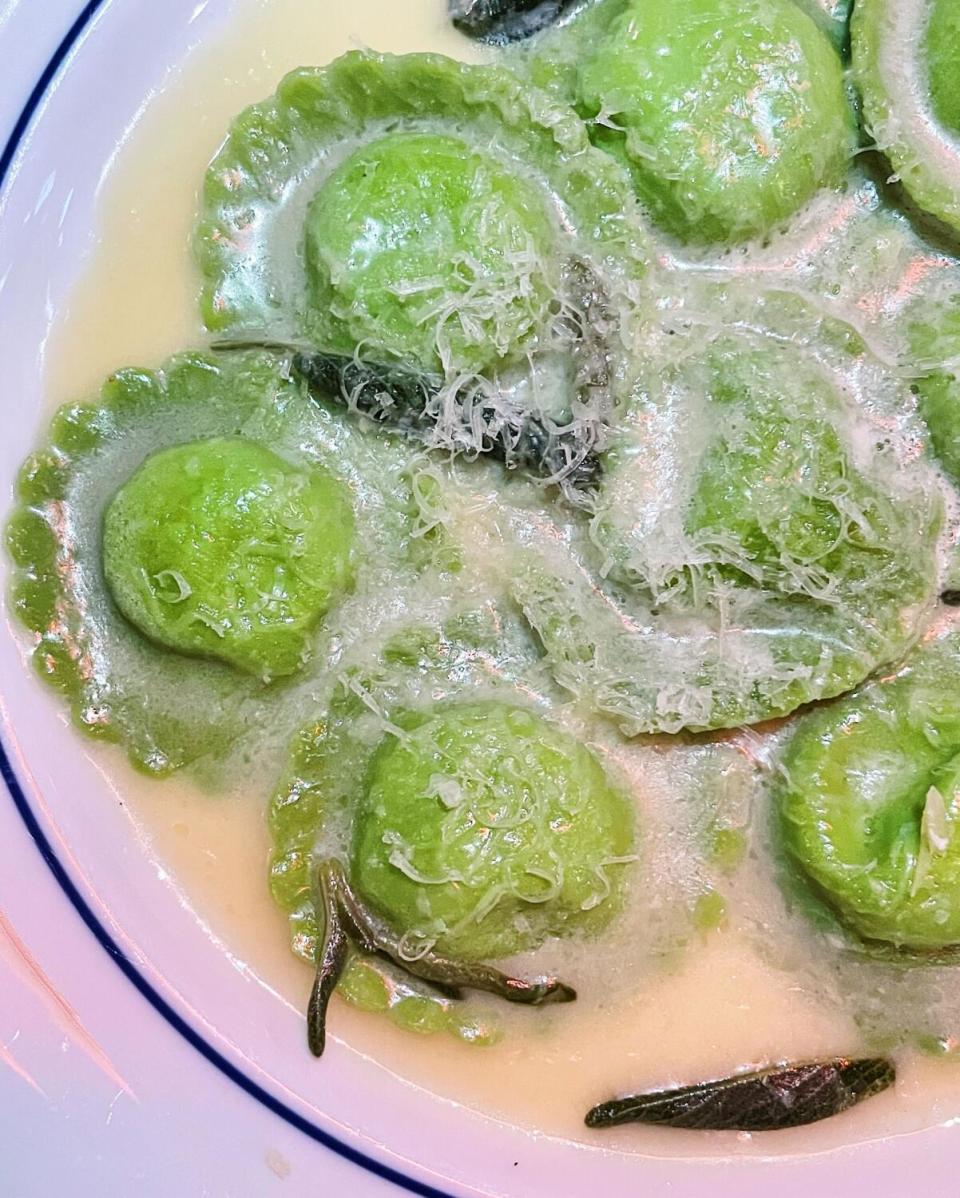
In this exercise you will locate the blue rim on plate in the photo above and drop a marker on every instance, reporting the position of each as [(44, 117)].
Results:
[(40, 839)]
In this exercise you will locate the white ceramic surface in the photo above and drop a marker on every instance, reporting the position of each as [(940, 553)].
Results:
[(99, 1091)]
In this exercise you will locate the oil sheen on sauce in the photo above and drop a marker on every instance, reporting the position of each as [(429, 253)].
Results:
[(722, 1005)]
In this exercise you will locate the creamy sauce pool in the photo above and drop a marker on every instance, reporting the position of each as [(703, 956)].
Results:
[(721, 1004)]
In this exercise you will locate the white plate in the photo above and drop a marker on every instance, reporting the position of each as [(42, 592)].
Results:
[(133, 1050)]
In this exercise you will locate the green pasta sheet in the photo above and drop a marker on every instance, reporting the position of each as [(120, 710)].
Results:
[(758, 542), (552, 59), (418, 208), (941, 45), (869, 800), (729, 114), (326, 509), (934, 337), (939, 396), (833, 17), (468, 816), (906, 59)]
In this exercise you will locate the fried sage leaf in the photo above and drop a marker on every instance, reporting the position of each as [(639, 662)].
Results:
[(331, 961), (405, 399), (348, 920), (768, 1100), (502, 21), (413, 402)]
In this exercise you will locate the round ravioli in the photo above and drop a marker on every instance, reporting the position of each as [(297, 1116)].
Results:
[(758, 542), (906, 60), (221, 548), (484, 829), (440, 776), (730, 114), (436, 246), (870, 800), (412, 207), (210, 508)]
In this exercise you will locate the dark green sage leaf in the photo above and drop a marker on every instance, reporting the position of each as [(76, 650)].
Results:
[(373, 935), (400, 398), (500, 21), (768, 1100), (346, 920), (331, 960)]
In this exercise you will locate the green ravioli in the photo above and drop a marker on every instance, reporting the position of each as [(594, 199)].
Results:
[(730, 114), (757, 543), (466, 814), (484, 830), (209, 508), (420, 247), (870, 799), (412, 207), (221, 548)]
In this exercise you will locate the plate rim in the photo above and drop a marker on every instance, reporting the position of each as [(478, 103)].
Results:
[(370, 1155)]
